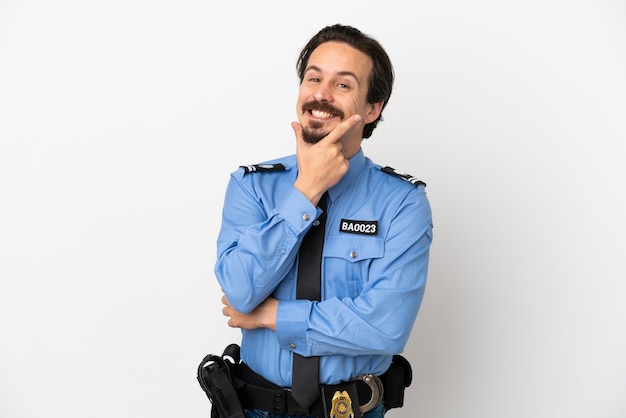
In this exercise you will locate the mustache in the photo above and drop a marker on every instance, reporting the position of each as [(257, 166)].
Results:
[(322, 107)]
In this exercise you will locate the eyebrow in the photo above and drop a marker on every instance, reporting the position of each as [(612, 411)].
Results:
[(341, 73)]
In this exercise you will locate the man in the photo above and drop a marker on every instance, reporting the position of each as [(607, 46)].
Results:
[(378, 233)]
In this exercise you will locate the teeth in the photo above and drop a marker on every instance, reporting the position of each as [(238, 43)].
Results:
[(321, 115)]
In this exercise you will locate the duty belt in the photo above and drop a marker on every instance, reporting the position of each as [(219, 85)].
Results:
[(258, 393)]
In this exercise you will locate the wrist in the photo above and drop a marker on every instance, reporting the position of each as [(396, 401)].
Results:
[(313, 196), (270, 313)]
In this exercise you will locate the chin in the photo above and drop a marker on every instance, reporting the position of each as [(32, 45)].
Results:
[(313, 136)]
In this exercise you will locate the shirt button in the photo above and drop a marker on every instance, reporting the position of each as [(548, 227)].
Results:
[(316, 222), (306, 216), (354, 254), (292, 346)]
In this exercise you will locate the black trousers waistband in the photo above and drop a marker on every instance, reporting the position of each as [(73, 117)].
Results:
[(259, 393)]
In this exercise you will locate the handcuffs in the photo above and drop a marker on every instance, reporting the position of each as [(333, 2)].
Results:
[(376, 386)]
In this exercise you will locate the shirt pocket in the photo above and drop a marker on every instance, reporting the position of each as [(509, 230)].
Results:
[(347, 260)]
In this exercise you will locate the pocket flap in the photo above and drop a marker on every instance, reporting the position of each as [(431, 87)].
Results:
[(354, 248)]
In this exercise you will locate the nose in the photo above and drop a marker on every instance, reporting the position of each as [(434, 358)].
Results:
[(323, 93)]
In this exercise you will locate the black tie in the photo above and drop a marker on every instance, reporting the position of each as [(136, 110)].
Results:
[(305, 374)]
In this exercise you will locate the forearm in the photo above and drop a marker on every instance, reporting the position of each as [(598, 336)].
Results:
[(377, 321), (257, 246), (370, 305)]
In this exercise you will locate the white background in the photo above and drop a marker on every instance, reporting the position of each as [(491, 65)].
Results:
[(120, 122)]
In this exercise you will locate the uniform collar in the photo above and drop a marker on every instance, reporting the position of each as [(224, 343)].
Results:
[(357, 163)]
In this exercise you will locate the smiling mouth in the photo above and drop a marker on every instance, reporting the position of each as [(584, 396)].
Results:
[(319, 114), (322, 110)]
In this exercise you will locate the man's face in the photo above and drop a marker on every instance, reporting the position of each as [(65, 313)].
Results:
[(333, 88)]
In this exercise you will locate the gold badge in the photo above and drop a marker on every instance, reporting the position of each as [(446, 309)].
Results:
[(341, 405)]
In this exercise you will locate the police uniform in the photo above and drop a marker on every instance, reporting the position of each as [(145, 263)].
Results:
[(375, 261)]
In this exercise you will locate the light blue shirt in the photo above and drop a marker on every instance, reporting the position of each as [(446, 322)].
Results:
[(375, 262)]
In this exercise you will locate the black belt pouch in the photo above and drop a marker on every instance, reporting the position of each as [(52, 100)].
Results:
[(395, 380)]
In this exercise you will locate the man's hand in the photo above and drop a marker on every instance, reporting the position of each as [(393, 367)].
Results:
[(323, 164), (263, 316)]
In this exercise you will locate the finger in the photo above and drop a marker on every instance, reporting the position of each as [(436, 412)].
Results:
[(342, 129)]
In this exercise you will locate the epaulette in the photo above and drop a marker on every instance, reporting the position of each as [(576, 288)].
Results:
[(262, 167), (404, 176)]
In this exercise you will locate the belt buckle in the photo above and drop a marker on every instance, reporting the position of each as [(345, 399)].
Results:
[(376, 386)]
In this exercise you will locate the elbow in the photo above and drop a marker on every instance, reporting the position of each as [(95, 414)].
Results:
[(238, 293), (240, 300), (238, 297), (396, 345)]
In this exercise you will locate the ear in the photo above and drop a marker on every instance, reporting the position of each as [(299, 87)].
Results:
[(374, 112)]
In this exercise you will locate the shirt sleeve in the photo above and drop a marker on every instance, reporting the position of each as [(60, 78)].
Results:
[(257, 245), (380, 318)]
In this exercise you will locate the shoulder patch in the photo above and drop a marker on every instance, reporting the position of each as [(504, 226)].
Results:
[(262, 167), (404, 176)]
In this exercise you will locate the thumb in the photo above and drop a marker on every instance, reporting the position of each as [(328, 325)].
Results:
[(297, 130)]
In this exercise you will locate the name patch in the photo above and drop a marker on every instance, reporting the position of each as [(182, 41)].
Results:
[(359, 227)]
